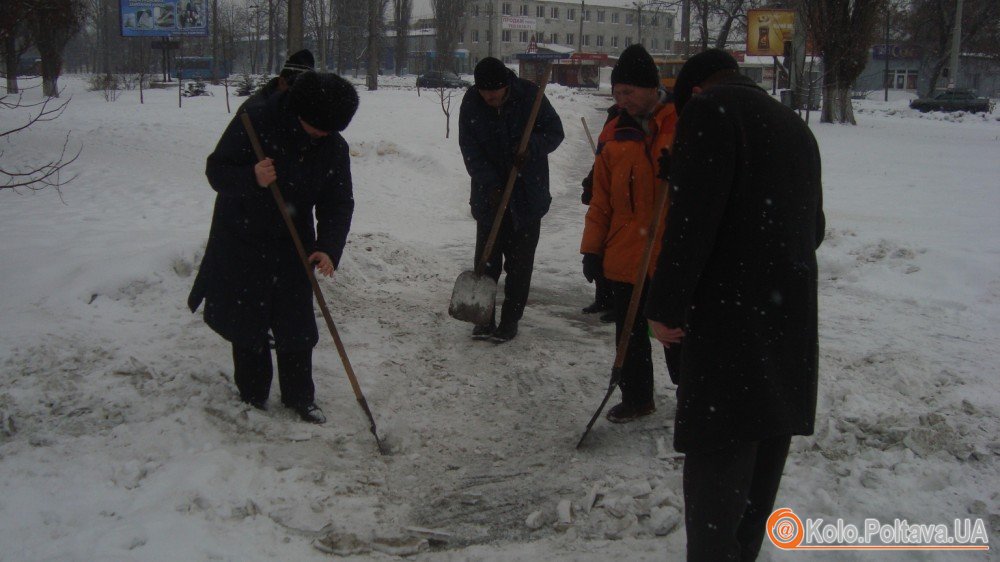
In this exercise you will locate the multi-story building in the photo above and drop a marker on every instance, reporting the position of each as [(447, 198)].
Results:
[(503, 28)]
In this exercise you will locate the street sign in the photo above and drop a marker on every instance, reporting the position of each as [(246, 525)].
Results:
[(541, 56)]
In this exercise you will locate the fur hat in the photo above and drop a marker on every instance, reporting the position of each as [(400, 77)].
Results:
[(697, 69), (325, 101), (635, 67), (491, 74)]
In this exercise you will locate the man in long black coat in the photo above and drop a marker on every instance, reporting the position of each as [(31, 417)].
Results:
[(491, 121), (251, 279), (735, 287)]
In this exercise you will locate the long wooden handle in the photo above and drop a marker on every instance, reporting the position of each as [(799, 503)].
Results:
[(586, 129), (512, 177), (259, 151), (640, 278)]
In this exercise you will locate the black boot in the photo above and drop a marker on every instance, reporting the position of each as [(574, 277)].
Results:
[(310, 413), (505, 332), (625, 412), (595, 307), (483, 331)]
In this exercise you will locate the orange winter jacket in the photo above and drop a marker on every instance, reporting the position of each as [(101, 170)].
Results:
[(624, 190)]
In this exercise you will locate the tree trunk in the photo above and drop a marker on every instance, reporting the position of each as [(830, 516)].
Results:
[(837, 106), (10, 63)]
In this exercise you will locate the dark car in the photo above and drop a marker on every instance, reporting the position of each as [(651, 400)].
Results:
[(952, 100), (441, 79)]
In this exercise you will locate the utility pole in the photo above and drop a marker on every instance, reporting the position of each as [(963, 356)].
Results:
[(373, 51), (956, 40), (638, 21), (579, 40), (888, 53), (686, 27)]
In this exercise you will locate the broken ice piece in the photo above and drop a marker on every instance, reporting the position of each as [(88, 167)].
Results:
[(400, 546)]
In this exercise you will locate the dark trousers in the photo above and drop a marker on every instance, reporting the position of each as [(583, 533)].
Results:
[(514, 250), (253, 372), (637, 369), (729, 495), (603, 293)]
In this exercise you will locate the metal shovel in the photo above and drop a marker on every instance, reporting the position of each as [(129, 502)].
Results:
[(474, 296)]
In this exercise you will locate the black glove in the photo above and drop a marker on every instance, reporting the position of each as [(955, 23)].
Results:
[(588, 188), (593, 267), (664, 165)]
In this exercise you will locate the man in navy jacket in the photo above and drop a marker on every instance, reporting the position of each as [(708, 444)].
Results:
[(492, 119)]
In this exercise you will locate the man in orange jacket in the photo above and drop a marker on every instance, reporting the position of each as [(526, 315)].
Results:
[(621, 211)]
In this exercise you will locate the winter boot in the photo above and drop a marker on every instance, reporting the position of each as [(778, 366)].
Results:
[(483, 331), (625, 412), (505, 332), (595, 307), (310, 413)]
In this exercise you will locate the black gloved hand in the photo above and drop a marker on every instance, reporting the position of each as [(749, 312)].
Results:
[(593, 267), (588, 187), (664, 165)]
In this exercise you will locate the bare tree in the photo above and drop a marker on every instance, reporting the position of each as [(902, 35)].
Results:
[(444, 96), (52, 23), (449, 17), (403, 12), (318, 14), (930, 24), (843, 32), (48, 174), (14, 40)]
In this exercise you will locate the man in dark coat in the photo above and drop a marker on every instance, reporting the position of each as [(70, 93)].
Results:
[(735, 287), (491, 121), (251, 278)]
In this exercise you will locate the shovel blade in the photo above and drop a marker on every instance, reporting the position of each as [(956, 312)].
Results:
[(473, 298)]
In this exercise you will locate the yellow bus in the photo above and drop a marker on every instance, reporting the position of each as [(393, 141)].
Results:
[(668, 68)]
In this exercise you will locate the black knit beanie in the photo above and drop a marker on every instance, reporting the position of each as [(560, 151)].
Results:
[(635, 67), (491, 74), (300, 61), (697, 69), (325, 101)]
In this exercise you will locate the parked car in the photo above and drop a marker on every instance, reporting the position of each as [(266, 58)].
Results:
[(441, 79), (952, 100)]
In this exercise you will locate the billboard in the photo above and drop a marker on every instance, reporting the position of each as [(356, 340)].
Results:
[(163, 18), (767, 31)]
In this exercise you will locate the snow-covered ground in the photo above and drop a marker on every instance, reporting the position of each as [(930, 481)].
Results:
[(122, 438)]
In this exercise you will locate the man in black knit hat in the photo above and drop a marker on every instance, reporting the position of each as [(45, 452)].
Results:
[(251, 279), (621, 211), (299, 62), (491, 121), (735, 289)]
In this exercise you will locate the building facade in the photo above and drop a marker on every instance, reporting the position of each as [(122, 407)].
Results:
[(504, 28)]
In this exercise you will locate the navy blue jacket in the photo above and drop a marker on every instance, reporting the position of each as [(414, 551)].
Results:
[(489, 138), (251, 278)]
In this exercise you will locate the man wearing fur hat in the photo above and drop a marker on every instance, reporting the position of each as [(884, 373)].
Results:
[(735, 287), (621, 210), (491, 121), (251, 278)]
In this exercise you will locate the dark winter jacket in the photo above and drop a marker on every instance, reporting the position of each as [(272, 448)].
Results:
[(738, 268), (251, 278), (489, 138)]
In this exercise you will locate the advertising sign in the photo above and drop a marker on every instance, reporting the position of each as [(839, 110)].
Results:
[(896, 51), (767, 31), (162, 18), (517, 22)]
